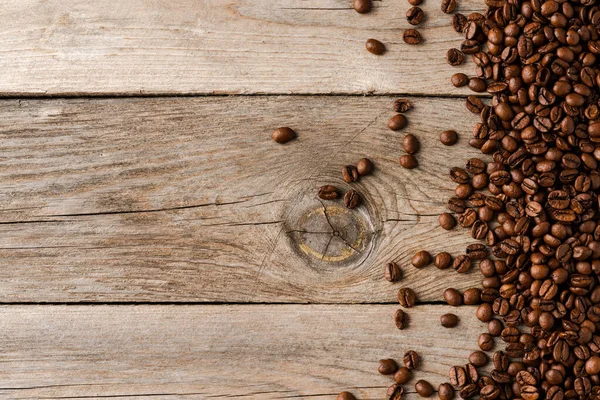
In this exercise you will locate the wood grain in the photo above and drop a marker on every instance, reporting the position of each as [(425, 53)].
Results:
[(200, 352), (188, 199), (80, 47)]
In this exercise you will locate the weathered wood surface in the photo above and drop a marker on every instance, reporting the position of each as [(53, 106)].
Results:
[(200, 352), (74, 47), (188, 199)]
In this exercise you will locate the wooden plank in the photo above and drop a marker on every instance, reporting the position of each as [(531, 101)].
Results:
[(254, 351), (75, 47), (188, 199)]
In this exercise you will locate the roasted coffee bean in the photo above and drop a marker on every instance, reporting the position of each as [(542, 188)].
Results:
[(408, 161), (283, 135), (486, 342), (476, 251), (449, 138), (445, 391), (459, 21), (472, 296), (458, 376), (403, 375), (447, 221), (351, 199), (412, 36), (395, 392), (462, 264), (423, 388), (402, 105), (346, 396), (415, 15), (449, 320), (392, 272), (328, 192), (406, 297), (459, 79), (477, 85), (375, 46), (453, 297), (350, 174), (442, 260), (397, 122), (411, 359), (475, 105), (364, 166), (387, 366), (362, 6), (421, 259), (478, 359), (448, 6), (411, 144), (455, 57), (400, 319)]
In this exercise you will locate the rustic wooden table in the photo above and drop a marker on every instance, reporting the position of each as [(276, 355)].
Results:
[(155, 243)]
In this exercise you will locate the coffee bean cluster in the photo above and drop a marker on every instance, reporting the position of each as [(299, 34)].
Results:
[(350, 174), (410, 143)]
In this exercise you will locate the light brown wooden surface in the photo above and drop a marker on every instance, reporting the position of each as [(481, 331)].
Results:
[(188, 199), (54, 47), (201, 352)]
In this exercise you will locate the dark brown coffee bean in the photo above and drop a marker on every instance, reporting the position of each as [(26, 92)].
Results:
[(459, 79), (449, 138), (442, 260), (395, 392), (402, 105), (457, 205), (448, 6), (472, 296), (458, 376), (475, 105), (362, 6), (403, 375), (459, 21), (364, 166), (486, 342), (346, 396), (328, 192), (387, 366), (445, 391), (350, 174), (411, 144), (469, 46), (351, 199), (462, 264), (453, 297), (415, 15), (476, 251), (397, 122), (392, 272), (424, 388), (375, 46), (406, 297), (411, 359), (449, 320), (455, 57), (412, 36), (400, 319), (421, 259), (283, 135), (478, 359), (447, 221), (408, 161)]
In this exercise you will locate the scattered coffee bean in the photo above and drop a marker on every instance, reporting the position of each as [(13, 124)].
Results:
[(412, 36), (395, 392), (449, 138), (397, 122), (455, 57), (453, 297), (387, 366), (403, 375), (462, 264), (402, 105), (392, 272), (415, 15), (442, 260), (328, 192), (477, 85), (478, 358), (364, 166), (459, 21), (421, 259), (486, 342), (411, 144), (350, 174), (445, 391), (412, 359), (406, 297), (351, 199), (375, 46), (448, 6), (449, 320), (362, 6), (447, 221), (400, 319), (424, 388), (408, 161), (459, 79), (346, 396), (283, 135)]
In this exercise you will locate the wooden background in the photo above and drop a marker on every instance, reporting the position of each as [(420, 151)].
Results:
[(155, 243)]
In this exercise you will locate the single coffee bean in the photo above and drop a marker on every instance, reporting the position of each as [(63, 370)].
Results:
[(449, 138), (442, 260), (415, 15), (410, 144), (486, 342), (402, 105), (364, 166), (472, 296), (477, 85), (375, 46), (406, 297), (387, 366), (459, 21), (447, 221), (351, 199), (328, 192), (445, 391), (423, 388), (421, 259), (283, 135), (346, 396), (362, 6), (395, 392), (449, 320), (459, 79), (448, 6), (411, 359), (474, 104), (453, 297), (397, 122), (478, 359), (455, 57), (462, 264), (408, 161), (403, 375), (458, 376), (350, 174), (412, 36), (392, 272), (400, 319)]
